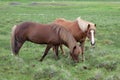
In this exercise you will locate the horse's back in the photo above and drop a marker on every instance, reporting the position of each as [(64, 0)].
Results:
[(40, 33), (71, 26)]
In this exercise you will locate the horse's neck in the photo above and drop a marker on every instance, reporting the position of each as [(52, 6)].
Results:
[(71, 45), (67, 38)]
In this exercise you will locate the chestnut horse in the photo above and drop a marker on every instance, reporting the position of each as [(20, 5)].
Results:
[(50, 34), (80, 29)]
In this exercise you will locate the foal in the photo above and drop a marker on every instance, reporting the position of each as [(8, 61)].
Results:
[(50, 34)]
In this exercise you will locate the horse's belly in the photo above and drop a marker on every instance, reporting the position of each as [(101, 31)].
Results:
[(45, 39)]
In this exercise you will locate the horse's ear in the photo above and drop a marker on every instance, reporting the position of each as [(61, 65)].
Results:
[(88, 26), (95, 25), (74, 47), (72, 50)]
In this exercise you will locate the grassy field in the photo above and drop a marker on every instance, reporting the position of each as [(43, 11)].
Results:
[(102, 63)]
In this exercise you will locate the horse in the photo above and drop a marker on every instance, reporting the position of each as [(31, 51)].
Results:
[(50, 34), (80, 29)]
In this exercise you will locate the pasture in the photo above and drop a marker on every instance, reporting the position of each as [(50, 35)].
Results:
[(102, 62)]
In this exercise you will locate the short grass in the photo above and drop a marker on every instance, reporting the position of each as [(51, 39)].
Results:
[(102, 62)]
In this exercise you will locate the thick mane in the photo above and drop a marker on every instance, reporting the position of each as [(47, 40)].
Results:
[(82, 24), (65, 36)]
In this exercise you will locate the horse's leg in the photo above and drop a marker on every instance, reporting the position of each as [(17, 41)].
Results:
[(82, 48), (63, 52), (56, 51), (46, 51), (53, 49)]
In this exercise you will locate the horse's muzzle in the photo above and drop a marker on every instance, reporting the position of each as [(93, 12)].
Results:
[(93, 44), (76, 61)]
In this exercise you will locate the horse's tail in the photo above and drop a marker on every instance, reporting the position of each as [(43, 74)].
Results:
[(13, 41)]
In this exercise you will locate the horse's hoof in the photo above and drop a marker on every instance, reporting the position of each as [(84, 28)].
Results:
[(40, 60), (57, 58), (83, 60), (64, 54)]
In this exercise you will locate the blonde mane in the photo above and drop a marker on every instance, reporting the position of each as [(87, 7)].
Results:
[(82, 24)]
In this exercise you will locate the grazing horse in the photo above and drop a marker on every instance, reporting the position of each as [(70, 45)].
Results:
[(50, 34), (80, 29)]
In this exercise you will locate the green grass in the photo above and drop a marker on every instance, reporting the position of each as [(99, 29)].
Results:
[(102, 63)]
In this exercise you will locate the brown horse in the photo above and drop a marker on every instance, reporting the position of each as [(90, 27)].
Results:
[(50, 34), (80, 29)]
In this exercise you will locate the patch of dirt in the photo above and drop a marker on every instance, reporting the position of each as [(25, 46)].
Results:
[(15, 3), (48, 4)]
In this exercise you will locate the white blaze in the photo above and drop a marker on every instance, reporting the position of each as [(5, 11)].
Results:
[(92, 36)]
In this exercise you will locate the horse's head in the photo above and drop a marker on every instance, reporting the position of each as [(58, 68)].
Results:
[(89, 28), (91, 33), (75, 53)]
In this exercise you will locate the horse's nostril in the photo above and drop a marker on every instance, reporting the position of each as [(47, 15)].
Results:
[(92, 43)]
